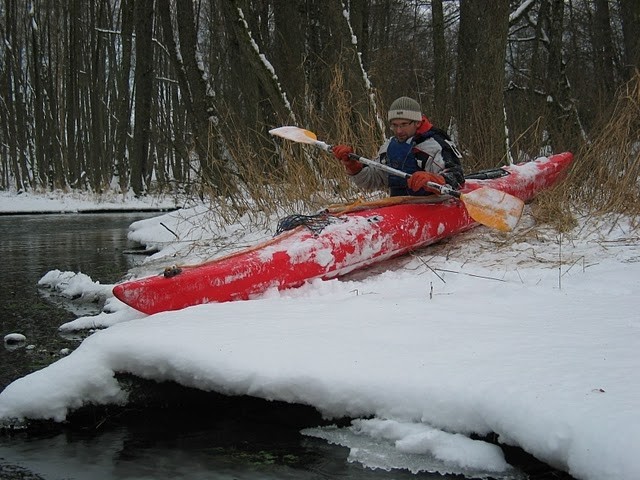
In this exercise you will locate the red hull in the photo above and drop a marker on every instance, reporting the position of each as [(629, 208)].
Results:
[(356, 240)]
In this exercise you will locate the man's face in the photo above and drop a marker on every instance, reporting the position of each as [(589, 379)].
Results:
[(403, 129)]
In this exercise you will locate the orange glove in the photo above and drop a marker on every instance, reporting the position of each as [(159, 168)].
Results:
[(420, 179), (341, 152)]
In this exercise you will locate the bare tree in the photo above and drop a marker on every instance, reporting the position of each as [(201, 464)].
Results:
[(630, 16), (14, 108), (140, 167), (290, 57), (603, 47), (561, 119), (42, 165), (180, 35), (441, 112), (482, 42), (123, 102), (85, 83), (72, 68)]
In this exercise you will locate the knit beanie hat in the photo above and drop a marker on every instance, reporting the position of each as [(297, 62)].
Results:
[(405, 107)]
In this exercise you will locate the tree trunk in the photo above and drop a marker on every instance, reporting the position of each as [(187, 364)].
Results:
[(13, 100), (73, 127), (630, 14), (480, 83), (195, 90), (337, 54), (263, 96), (561, 118), (123, 108), (289, 55), (359, 15), (441, 112), (41, 160), (99, 169), (140, 168), (603, 44), (55, 124)]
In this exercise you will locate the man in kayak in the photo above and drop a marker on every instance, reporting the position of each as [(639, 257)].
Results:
[(416, 147)]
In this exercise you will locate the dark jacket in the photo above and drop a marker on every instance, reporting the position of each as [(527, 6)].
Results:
[(430, 149)]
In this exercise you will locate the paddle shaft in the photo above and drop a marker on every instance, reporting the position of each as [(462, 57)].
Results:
[(443, 189)]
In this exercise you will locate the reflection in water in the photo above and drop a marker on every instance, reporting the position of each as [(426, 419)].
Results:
[(31, 246), (214, 437), (87, 243)]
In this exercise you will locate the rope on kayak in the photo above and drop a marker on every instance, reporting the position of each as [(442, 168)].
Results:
[(333, 213), (316, 223)]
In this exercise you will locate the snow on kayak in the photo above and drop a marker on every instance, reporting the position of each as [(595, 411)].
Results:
[(347, 241)]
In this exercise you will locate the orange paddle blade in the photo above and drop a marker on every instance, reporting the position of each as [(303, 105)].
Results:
[(493, 208)]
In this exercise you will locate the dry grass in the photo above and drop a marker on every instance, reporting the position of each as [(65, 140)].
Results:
[(605, 176), (550, 209), (279, 177)]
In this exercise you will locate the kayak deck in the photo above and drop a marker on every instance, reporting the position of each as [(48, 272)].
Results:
[(354, 237)]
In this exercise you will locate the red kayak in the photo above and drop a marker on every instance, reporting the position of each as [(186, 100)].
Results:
[(347, 241)]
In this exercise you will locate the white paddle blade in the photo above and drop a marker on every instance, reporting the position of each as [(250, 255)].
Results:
[(295, 134), (493, 208)]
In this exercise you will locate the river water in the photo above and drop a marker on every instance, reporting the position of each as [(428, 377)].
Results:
[(167, 431)]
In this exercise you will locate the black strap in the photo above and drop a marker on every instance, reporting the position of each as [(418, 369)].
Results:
[(487, 174)]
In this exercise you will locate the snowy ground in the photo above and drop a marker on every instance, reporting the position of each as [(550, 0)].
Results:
[(57, 202), (531, 335)]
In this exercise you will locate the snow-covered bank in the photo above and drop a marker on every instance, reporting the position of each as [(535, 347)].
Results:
[(533, 337), (74, 202)]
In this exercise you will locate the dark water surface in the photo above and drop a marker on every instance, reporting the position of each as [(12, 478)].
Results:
[(167, 431), (31, 246)]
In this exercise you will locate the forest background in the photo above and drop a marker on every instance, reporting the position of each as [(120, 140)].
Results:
[(154, 96)]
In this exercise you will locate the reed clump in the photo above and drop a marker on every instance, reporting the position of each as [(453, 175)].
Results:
[(272, 176), (276, 177), (604, 178)]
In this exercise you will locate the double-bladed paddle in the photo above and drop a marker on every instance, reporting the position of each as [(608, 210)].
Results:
[(488, 206)]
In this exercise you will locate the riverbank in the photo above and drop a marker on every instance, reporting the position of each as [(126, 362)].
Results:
[(425, 353), (13, 203)]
